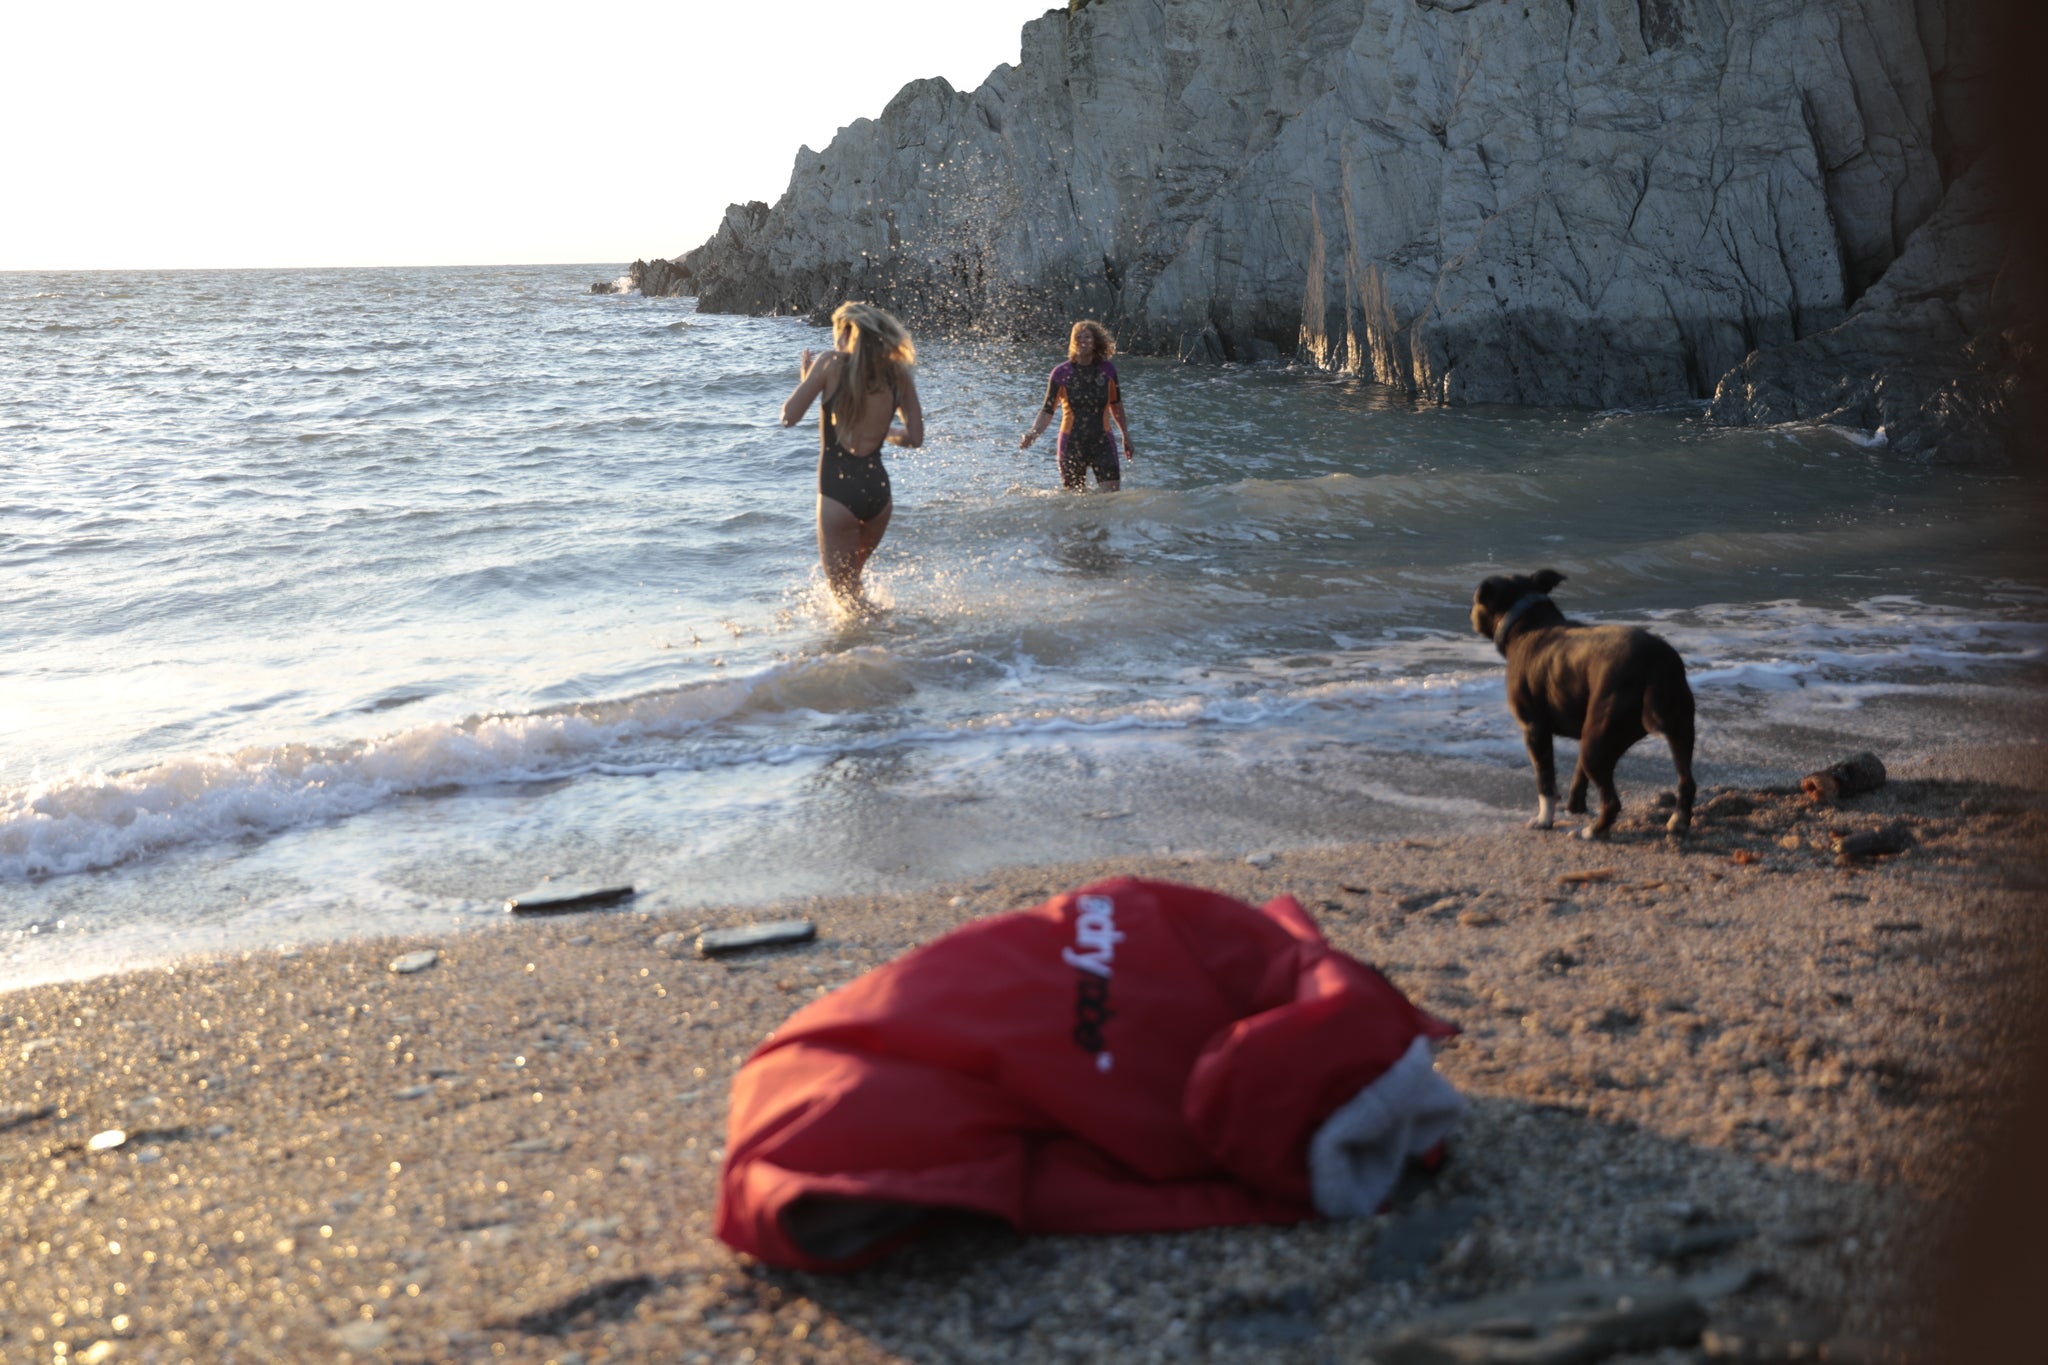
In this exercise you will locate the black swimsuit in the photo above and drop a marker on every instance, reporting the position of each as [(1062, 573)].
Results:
[(859, 483)]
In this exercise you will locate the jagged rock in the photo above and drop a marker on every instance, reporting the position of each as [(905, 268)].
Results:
[(659, 279), (1611, 202), (1940, 355)]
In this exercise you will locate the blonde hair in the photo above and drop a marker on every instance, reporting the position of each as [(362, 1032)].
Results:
[(1105, 344), (881, 350)]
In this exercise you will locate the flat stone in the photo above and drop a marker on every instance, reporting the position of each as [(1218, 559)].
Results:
[(1688, 1243), (415, 962), (565, 897), (413, 1092), (674, 944), (21, 1115), (1409, 1244), (106, 1141), (1879, 843), (1571, 1322), (539, 1144), (713, 942), (1722, 1282), (363, 1337), (1259, 859), (1287, 1320), (1010, 1321)]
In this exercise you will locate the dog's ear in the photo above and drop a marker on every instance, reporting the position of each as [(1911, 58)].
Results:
[(1546, 579)]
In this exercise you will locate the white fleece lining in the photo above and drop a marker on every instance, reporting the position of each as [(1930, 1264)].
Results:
[(1357, 1155)]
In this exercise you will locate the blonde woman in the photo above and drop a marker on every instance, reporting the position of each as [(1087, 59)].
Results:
[(866, 380), (1086, 385)]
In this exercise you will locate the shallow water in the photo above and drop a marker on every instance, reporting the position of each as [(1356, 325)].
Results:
[(353, 601)]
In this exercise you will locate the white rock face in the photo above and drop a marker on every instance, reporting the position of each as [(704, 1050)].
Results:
[(1529, 201)]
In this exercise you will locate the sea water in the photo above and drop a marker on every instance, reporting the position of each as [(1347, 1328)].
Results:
[(353, 601)]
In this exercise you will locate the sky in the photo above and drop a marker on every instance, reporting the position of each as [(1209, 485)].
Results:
[(437, 132)]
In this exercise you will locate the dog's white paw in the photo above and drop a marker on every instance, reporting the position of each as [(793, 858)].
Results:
[(1592, 832), (1546, 813), (1678, 824)]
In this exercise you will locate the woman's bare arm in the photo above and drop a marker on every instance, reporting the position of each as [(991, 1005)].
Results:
[(1116, 410), (910, 432), (816, 372)]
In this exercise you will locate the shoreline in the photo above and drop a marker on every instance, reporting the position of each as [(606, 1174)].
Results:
[(512, 1154)]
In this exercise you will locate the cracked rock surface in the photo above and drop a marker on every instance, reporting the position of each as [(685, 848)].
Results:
[(1614, 202)]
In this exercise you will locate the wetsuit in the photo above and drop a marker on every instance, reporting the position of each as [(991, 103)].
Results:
[(1086, 440), (859, 483)]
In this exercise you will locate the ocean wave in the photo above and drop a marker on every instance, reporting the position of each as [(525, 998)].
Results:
[(1416, 691), (86, 822)]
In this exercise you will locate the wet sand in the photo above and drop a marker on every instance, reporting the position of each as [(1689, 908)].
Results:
[(1731, 1058)]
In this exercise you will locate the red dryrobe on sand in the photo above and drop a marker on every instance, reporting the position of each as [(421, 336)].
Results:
[(1133, 1056)]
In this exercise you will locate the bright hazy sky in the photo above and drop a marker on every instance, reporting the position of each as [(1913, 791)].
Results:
[(435, 132)]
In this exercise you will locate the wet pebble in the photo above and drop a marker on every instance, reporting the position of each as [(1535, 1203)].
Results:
[(106, 1141), (1705, 1240), (363, 1337), (415, 962)]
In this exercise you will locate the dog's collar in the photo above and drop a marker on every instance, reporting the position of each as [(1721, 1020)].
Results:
[(1515, 613)]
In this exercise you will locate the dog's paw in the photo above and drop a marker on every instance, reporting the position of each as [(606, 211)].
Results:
[(1679, 824), (1542, 822), (1592, 832)]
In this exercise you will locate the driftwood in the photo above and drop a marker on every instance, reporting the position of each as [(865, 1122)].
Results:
[(1850, 777)]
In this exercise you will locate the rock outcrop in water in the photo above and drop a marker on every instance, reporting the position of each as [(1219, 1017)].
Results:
[(1607, 202)]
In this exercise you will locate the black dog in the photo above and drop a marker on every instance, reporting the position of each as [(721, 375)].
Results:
[(1605, 686)]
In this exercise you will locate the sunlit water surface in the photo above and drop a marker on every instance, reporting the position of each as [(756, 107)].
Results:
[(352, 601)]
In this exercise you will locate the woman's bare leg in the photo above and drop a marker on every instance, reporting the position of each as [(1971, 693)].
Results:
[(844, 544)]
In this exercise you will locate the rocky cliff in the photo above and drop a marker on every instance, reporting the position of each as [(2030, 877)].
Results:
[(1609, 202)]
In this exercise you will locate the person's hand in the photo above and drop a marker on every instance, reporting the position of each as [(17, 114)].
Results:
[(803, 368), (1029, 437), (1130, 451)]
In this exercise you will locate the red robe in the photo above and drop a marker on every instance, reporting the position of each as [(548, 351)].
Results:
[(1133, 1056)]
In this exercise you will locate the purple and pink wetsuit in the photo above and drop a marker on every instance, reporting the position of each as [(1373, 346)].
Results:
[(1087, 441)]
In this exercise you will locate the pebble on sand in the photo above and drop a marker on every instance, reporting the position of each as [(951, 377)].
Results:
[(565, 897), (106, 1141), (415, 962), (712, 942), (363, 1337)]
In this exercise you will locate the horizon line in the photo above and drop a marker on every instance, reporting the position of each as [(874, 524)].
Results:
[(384, 265)]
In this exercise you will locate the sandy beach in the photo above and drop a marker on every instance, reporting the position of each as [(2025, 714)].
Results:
[(1733, 1058)]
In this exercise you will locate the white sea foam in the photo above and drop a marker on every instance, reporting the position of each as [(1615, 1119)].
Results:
[(1409, 692)]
